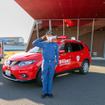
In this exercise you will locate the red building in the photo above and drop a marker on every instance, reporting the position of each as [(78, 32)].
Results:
[(83, 19)]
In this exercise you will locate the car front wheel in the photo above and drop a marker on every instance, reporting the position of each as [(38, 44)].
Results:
[(39, 78)]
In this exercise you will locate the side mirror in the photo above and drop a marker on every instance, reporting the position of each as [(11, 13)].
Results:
[(61, 51)]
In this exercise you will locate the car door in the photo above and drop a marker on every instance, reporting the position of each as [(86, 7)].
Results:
[(76, 52), (64, 59)]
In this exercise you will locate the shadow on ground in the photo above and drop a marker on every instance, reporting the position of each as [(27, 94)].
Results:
[(70, 89), (98, 63)]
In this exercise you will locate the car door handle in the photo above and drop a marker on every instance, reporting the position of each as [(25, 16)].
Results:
[(82, 53), (71, 56)]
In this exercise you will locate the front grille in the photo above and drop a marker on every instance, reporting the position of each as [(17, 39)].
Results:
[(12, 76)]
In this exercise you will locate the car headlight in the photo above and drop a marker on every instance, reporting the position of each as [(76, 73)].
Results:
[(24, 63), (6, 62)]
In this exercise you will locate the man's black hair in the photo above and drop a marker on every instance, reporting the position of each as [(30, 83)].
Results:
[(49, 32)]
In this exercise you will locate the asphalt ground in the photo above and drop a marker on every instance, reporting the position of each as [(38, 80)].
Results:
[(68, 89)]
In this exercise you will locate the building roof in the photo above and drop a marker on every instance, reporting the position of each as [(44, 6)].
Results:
[(63, 9), (10, 37)]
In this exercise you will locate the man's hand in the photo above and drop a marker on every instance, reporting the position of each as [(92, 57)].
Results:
[(43, 37), (55, 66)]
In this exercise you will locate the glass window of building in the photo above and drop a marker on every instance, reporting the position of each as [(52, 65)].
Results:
[(85, 32), (57, 27), (43, 27), (70, 28), (99, 38)]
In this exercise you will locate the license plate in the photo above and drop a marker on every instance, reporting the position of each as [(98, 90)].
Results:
[(8, 73)]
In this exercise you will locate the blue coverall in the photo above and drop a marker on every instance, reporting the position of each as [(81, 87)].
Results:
[(50, 53)]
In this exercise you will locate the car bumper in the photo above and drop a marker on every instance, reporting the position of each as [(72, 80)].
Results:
[(16, 72), (13, 78)]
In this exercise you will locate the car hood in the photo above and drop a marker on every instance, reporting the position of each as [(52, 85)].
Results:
[(25, 56)]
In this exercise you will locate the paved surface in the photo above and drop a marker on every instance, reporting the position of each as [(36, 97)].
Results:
[(68, 89)]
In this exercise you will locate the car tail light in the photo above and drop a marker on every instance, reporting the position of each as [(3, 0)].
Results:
[(88, 49)]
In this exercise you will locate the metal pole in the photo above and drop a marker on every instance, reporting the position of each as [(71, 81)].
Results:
[(92, 37), (104, 50), (37, 30), (50, 26), (63, 28), (78, 29)]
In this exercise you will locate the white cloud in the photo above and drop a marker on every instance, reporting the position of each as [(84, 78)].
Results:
[(14, 21)]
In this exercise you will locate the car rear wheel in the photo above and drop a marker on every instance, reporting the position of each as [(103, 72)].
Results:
[(85, 67), (39, 78)]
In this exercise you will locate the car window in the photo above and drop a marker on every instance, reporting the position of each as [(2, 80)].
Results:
[(66, 47), (81, 47), (75, 47)]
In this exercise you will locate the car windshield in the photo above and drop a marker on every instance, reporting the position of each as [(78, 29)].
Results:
[(35, 50)]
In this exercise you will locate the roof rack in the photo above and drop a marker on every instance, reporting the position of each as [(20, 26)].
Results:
[(69, 40)]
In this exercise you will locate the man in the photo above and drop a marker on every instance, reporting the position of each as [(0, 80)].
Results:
[(50, 53)]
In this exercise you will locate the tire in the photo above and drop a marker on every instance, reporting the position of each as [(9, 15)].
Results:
[(85, 67), (39, 79)]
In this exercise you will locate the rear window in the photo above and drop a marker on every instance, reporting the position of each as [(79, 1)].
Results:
[(81, 47), (75, 47)]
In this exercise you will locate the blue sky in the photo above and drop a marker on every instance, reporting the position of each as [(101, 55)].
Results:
[(14, 21)]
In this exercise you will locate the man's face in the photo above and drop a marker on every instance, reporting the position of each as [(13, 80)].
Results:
[(49, 37)]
